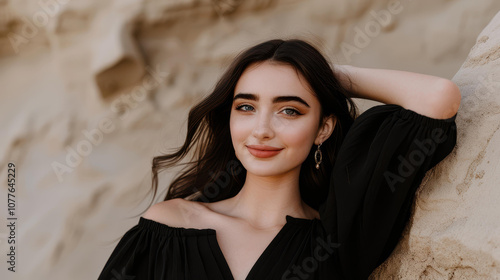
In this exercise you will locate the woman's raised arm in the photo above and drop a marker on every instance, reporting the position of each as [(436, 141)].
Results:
[(431, 96)]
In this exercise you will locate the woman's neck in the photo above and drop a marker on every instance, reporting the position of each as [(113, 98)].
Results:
[(265, 201)]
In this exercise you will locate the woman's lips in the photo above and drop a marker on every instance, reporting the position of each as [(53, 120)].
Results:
[(263, 152)]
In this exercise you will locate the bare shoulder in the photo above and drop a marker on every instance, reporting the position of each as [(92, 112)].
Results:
[(175, 212)]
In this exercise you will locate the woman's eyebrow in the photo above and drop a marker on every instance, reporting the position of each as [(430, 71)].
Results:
[(277, 99)]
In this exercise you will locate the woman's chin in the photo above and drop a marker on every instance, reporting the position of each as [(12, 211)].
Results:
[(266, 170)]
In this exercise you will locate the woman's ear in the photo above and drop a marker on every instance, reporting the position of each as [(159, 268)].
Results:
[(326, 129)]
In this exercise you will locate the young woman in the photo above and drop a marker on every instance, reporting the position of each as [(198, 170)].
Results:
[(284, 182)]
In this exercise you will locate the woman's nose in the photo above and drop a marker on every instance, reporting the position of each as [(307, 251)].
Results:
[(264, 126)]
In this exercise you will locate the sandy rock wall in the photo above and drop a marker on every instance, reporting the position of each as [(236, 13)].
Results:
[(92, 90), (455, 233)]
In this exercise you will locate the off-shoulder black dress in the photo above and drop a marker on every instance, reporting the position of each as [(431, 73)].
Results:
[(381, 163)]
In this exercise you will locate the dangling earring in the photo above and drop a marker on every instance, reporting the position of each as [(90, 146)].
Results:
[(317, 155)]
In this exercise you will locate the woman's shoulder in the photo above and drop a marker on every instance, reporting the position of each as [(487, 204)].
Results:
[(177, 212)]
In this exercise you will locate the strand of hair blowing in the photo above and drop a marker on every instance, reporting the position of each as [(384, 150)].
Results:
[(208, 133)]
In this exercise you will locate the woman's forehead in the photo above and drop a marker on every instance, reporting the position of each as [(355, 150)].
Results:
[(271, 79)]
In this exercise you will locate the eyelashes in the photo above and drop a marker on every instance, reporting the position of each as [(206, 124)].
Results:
[(241, 106), (294, 111)]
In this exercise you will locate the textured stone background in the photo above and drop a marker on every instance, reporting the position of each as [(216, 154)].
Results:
[(92, 90)]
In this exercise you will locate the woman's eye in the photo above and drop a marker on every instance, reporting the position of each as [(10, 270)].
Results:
[(293, 112), (244, 105)]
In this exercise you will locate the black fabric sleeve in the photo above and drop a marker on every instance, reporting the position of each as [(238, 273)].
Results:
[(151, 250), (381, 163), (129, 259)]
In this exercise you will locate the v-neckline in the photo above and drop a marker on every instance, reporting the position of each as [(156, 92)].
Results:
[(269, 247), (216, 246)]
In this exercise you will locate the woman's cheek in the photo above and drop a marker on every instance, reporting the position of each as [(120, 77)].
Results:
[(239, 130), (297, 132), (281, 125)]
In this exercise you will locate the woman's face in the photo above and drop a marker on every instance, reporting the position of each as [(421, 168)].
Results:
[(273, 107)]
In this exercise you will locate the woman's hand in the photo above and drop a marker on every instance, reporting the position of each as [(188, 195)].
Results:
[(427, 95)]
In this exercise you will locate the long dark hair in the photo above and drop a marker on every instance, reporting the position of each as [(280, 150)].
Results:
[(214, 173)]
